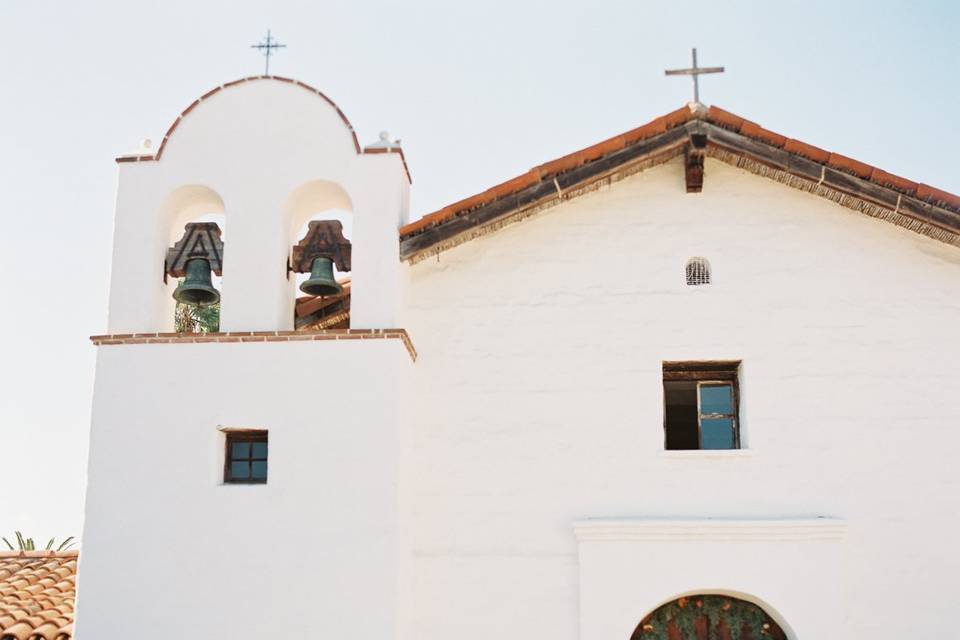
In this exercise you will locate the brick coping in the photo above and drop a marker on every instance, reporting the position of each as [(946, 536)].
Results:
[(258, 336)]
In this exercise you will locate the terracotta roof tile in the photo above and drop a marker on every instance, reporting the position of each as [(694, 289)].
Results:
[(508, 187), (18, 631), (551, 168), (714, 115), (37, 594), (48, 631), (603, 148), (884, 179), (755, 131), (564, 163), (806, 150), (652, 128), (718, 116), (936, 196), (857, 168), (678, 117)]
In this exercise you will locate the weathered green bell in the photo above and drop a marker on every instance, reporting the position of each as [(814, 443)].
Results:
[(321, 281), (197, 287)]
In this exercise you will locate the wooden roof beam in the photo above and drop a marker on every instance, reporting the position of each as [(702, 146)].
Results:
[(693, 159)]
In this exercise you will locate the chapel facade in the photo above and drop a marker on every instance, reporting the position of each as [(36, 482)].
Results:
[(694, 381)]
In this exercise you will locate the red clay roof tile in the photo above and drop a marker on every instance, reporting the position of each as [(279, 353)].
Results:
[(564, 163), (884, 179), (37, 594), (714, 115), (755, 131), (806, 150), (718, 116), (514, 184), (652, 128), (469, 203), (850, 165), (937, 196), (678, 117), (601, 149)]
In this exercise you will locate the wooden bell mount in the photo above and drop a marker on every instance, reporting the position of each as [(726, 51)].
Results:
[(198, 253), (201, 240), (324, 239)]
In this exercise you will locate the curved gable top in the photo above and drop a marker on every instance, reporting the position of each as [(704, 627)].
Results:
[(216, 90)]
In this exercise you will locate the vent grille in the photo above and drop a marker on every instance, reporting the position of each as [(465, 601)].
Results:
[(698, 271)]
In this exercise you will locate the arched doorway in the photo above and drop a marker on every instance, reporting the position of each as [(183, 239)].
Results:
[(708, 617)]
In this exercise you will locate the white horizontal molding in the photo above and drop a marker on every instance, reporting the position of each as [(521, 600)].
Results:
[(709, 529)]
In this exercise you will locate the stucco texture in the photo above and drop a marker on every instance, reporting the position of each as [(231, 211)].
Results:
[(538, 402)]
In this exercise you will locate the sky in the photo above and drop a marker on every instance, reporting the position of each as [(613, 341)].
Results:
[(478, 92)]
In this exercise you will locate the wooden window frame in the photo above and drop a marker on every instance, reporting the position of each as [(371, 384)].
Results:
[(733, 417), (246, 435), (706, 374)]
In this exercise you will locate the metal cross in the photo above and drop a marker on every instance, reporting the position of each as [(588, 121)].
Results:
[(694, 71), (267, 46)]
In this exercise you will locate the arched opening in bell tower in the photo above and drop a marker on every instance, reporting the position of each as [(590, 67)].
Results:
[(194, 290), (320, 227)]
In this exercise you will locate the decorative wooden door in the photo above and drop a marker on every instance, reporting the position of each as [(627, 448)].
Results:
[(708, 617)]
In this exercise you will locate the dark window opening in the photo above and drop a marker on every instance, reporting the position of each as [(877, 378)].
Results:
[(701, 405), (245, 461)]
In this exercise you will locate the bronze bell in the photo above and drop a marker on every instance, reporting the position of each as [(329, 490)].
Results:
[(197, 287), (321, 281)]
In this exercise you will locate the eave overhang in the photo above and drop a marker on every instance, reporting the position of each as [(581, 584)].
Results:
[(692, 132)]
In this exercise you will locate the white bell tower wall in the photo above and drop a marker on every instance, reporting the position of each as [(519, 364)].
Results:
[(263, 152), (314, 549)]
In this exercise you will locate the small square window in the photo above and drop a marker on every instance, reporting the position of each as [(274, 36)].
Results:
[(245, 458), (701, 405)]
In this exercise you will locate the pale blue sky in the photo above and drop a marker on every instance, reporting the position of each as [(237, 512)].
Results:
[(478, 92)]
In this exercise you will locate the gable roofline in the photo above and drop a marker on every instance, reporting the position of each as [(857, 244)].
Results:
[(729, 138), (152, 157)]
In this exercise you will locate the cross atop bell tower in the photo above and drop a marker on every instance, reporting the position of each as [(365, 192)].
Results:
[(694, 72), (268, 44)]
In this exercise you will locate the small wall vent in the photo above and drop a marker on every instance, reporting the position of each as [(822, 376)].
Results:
[(698, 271)]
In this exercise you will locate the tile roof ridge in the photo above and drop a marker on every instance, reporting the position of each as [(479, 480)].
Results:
[(711, 114), (40, 553), (549, 169), (921, 191)]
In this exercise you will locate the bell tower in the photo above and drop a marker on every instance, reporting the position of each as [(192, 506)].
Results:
[(264, 452)]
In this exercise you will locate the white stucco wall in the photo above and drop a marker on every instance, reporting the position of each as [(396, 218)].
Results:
[(252, 151), (169, 550), (440, 499), (538, 403)]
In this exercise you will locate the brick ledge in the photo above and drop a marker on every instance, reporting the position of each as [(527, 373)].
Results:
[(259, 336)]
